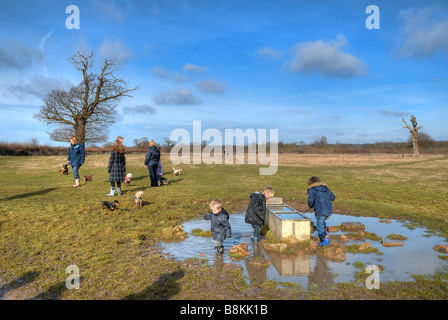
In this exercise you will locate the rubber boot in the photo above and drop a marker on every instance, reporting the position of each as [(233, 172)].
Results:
[(119, 191), (112, 192), (76, 183)]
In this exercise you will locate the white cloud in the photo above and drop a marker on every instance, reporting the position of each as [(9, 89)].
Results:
[(115, 50), (211, 86), (424, 32), (188, 67), (39, 86), (15, 54), (326, 58), (267, 52), (177, 96), (139, 109), (166, 74)]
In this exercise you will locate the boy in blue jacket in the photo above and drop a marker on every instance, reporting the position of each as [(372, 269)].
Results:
[(320, 198), (219, 224)]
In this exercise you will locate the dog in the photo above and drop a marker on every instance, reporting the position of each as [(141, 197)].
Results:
[(138, 198), (176, 172), (128, 179), (64, 169), (164, 181), (88, 178), (112, 206)]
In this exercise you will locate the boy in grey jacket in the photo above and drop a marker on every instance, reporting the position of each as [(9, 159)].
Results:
[(219, 224)]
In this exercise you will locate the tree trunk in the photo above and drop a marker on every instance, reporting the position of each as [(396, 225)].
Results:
[(414, 135), (80, 130)]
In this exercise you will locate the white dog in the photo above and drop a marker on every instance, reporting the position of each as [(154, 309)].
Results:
[(128, 179), (176, 172)]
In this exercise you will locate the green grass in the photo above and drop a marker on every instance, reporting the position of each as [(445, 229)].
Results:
[(47, 225)]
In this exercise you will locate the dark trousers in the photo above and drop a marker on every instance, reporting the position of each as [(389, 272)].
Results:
[(257, 230), (112, 184), (152, 174)]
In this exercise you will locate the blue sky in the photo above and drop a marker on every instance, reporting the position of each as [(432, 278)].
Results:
[(307, 68)]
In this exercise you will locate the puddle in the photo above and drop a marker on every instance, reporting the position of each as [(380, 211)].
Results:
[(415, 257)]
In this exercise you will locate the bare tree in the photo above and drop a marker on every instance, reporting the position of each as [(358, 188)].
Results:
[(414, 135), (88, 109), (168, 144)]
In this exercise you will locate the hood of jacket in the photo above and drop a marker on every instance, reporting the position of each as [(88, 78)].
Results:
[(320, 186)]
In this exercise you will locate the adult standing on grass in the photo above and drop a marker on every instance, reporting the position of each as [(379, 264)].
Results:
[(76, 156), (152, 161), (117, 167)]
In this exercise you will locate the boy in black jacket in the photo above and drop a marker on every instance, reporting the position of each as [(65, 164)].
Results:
[(256, 211), (219, 224)]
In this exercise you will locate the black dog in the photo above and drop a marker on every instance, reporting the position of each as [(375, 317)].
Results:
[(112, 206)]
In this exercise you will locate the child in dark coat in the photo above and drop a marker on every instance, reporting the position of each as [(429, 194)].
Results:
[(256, 210), (76, 157), (116, 168), (219, 224), (320, 198)]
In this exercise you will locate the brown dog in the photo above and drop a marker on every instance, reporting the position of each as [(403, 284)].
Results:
[(138, 198), (88, 178)]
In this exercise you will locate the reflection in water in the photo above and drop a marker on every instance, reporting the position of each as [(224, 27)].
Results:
[(400, 263)]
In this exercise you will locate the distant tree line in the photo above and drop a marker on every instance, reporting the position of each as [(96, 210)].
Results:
[(426, 143)]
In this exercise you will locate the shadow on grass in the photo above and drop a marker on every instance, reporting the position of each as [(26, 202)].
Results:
[(162, 289), (29, 194), (54, 292), (19, 282)]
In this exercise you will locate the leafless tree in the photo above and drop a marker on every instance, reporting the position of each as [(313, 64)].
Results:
[(88, 109), (414, 135)]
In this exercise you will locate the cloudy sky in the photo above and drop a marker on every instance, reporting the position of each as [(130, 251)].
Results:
[(307, 68)]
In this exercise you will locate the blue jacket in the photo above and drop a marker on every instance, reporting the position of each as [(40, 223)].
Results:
[(152, 156), (76, 155), (219, 225), (320, 198)]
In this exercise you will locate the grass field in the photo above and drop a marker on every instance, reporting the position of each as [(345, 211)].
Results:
[(47, 225)]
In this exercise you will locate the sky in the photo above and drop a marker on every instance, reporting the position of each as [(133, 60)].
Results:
[(307, 68)]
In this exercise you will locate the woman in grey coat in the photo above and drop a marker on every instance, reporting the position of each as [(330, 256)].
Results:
[(116, 168)]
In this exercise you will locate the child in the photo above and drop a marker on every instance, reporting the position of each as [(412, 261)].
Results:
[(159, 172), (116, 168), (320, 197), (255, 214), (219, 224), (76, 157)]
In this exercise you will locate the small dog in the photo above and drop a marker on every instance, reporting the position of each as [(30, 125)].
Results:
[(138, 198), (176, 172), (112, 206), (88, 178), (128, 179), (164, 181), (64, 169)]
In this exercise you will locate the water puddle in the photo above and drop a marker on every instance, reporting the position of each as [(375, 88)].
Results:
[(415, 257)]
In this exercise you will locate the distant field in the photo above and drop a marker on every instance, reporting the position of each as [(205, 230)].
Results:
[(47, 225)]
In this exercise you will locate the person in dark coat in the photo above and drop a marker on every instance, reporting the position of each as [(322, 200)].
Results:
[(219, 224), (320, 198), (152, 161), (116, 168), (256, 211), (76, 157)]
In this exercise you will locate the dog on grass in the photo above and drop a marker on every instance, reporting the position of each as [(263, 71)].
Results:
[(164, 181), (128, 179), (88, 178), (138, 198), (176, 172), (64, 169), (112, 206)]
